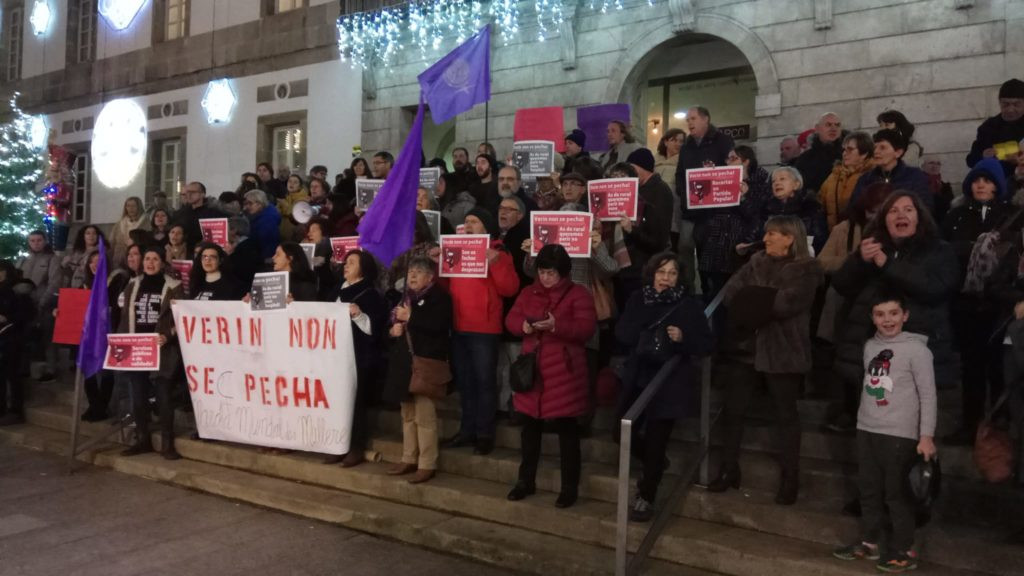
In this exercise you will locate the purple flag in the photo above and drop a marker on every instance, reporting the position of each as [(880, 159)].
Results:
[(387, 228), (460, 80), (93, 346), (593, 120)]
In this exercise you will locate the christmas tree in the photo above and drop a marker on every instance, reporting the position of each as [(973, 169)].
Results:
[(21, 165)]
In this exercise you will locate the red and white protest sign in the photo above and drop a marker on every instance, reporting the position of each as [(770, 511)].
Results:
[(342, 245), (612, 198), (717, 187), (72, 305), (182, 270), (284, 380), (570, 229), (133, 352), (215, 230), (464, 255)]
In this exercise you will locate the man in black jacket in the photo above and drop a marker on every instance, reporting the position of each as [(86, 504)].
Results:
[(198, 207), (651, 232), (1004, 128), (816, 163)]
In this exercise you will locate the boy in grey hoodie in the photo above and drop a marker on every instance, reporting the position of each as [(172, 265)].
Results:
[(896, 422)]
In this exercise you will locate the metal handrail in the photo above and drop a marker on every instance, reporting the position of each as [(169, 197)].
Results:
[(623, 565)]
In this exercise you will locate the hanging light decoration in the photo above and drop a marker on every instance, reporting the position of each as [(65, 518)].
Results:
[(376, 38)]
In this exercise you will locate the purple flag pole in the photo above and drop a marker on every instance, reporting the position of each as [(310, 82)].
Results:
[(92, 348), (387, 229)]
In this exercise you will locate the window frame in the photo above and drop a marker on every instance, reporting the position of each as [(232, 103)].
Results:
[(162, 23), (156, 164), (81, 195), (14, 41)]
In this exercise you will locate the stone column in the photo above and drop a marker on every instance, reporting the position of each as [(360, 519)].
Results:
[(567, 34)]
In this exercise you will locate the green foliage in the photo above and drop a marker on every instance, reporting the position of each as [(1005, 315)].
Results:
[(22, 207)]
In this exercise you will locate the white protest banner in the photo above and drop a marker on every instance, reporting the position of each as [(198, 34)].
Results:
[(276, 380)]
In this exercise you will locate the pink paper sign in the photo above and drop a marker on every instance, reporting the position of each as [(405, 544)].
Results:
[(570, 229), (717, 187), (612, 198), (215, 230), (133, 352), (342, 245), (464, 255)]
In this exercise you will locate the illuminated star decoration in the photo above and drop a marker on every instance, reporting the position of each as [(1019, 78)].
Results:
[(40, 17), (120, 13), (38, 132), (119, 143), (219, 101)]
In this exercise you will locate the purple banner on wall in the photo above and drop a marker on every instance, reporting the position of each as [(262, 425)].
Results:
[(593, 120)]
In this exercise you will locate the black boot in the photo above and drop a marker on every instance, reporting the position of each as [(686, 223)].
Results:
[(788, 488), (728, 477), (521, 490)]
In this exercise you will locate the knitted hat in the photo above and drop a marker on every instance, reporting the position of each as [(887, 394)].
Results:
[(577, 136), (490, 224), (643, 158), (574, 176), (1012, 88)]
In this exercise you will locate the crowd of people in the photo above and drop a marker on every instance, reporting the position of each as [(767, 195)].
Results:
[(852, 244)]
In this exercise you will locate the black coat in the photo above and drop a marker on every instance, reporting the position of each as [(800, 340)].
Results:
[(367, 346), (816, 163), (714, 147), (991, 132), (965, 223), (651, 233), (188, 217), (802, 205), (679, 395), (429, 327), (926, 272), (246, 261), (302, 289), (902, 177)]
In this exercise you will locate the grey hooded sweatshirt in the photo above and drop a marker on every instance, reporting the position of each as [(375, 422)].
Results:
[(898, 396)]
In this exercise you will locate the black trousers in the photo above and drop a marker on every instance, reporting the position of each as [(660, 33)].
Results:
[(651, 447), (784, 390), (568, 446), (982, 375), (884, 462), (140, 407), (98, 390), (12, 387), (360, 424)]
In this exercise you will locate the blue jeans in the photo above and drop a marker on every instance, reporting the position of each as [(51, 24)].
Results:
[(475, 361)]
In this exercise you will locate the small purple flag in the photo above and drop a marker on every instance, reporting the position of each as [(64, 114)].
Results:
[(93, 347), (387, 228), (460, 80), (593, 121)]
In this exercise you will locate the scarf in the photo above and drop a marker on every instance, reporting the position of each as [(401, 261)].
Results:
[(667, 296), (409, 298)]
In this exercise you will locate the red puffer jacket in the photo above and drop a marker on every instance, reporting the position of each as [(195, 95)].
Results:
[(478, 301), (560, 390)]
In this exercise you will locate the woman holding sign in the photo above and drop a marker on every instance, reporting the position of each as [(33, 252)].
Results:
[(555, 317), (210, 278), (418, 372), (369, 313), (146, 309)]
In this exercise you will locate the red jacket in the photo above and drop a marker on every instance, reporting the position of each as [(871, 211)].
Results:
[(560, 389), (478, 301)]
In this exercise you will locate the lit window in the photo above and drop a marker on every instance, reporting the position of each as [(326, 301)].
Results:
[(286, 5), (177, 19), (170, 167), (290, 148)]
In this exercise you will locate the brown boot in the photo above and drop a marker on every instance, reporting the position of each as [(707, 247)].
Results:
[(421, 476), (334, 459), (402, 469), (353, 458)]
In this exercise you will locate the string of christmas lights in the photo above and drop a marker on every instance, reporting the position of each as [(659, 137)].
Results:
[(21, 165), (376, 38)]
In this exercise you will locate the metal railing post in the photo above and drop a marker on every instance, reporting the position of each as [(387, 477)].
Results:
[(705, 418), (622, 505)]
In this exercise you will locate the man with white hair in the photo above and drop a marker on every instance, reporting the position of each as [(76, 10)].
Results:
[(789, 150), (816, 163)]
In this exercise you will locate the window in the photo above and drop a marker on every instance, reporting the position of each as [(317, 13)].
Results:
[(286, 5), (165, 167), (289, 148), (85, 37), (81, 196), (177, 19), (170, 166), (13, 29), (354, 6)]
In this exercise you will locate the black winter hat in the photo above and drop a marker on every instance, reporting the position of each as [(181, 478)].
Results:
[(643, 158), (578, 136), (488, 220), (1012, 88)]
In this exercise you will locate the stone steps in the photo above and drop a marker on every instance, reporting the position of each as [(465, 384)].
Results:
[(734, 519)]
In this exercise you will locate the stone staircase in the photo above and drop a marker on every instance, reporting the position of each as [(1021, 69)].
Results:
[(464, 511)]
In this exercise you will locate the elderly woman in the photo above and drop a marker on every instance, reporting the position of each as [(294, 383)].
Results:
[(145, 309), (264, 222), (421, 327), (769, 301), (660, 313), (901, 250), (132, 217), (555, 318), (789, 199), (837, 189)]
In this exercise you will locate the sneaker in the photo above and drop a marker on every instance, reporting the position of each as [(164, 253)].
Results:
[(641, 511), (858, 551), (900, 562)]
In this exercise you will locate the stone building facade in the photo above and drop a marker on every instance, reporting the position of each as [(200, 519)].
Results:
[(770, 67)]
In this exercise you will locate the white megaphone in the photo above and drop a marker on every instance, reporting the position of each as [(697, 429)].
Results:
[(303, 212)]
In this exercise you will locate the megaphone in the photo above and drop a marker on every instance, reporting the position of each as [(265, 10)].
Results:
[(303, 212)]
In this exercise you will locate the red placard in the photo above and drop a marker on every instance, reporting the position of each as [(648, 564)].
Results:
[(182, 270), (215, 230), (540, 124), (612, 198), (717, 187), (72, 304), (570, 229), (342, 245), (133, 352), (464, 255)]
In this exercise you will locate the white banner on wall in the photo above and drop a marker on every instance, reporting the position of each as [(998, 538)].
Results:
[(284, 380)]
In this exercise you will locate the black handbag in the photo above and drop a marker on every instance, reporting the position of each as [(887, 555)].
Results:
[(523, 370), (654, 345)]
